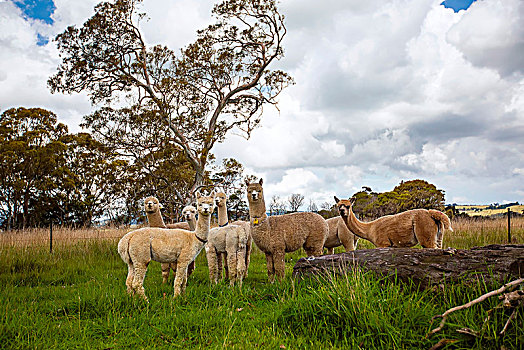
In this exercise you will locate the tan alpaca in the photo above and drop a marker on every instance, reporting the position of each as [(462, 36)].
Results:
[(400, 230), (228, 241), (154, 217), (278, 235), (339, 234), (137, 248)]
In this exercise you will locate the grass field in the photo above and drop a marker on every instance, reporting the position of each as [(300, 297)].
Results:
[(75, 298)]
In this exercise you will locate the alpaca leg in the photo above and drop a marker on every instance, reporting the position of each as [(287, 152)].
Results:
[(226, 267), (280, 266), (219, 265), (213, 264), (249, 245), (440, 236), (180, 279), (138, 280), (172, 266), (330, 251), (232, 265), (165, 272), (426, 236), (270, 268), (129, 279), (347, 242), (241, 264)]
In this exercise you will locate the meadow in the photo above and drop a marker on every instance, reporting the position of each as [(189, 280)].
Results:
[(75, 298)]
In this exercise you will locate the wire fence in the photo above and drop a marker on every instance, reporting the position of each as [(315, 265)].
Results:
[(508, 229)]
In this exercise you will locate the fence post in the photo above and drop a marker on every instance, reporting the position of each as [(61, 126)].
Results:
[(51, 237), (509, 225)]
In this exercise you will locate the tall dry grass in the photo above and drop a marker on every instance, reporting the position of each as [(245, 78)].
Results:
[(61, 236), (477, 231)]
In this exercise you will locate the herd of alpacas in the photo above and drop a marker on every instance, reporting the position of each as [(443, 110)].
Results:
[(228, 246)]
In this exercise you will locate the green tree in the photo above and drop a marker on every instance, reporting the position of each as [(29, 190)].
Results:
[(189, 100), (29, 154)]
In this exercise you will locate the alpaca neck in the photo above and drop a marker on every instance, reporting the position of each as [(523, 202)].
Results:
[(358, 227), (222, 216), (192, 224), (155, 219), (202, 227), (257, 214)]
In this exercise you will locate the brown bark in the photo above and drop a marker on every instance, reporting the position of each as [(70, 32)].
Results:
[(425, 267)]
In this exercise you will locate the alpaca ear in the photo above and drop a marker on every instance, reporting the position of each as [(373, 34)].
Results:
[(261, 181), (197, 194), (336, 199), (352, 200)]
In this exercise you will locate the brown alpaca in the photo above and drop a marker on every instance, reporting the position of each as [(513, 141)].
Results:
[(339, 234), (400, 230), (137, 248), (152, 208), (278, 235), (230, 242)]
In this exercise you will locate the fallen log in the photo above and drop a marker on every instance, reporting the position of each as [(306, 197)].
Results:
[(425, 267)]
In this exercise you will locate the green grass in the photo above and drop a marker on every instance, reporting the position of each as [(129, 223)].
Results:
[(75, 298)]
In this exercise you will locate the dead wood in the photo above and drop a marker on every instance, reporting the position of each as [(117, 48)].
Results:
[(424, 267)]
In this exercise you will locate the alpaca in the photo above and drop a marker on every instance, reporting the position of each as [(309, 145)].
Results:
[(137, 248), (400, 230), (278, 235), (228, 241), (152, 208), (339, 234)]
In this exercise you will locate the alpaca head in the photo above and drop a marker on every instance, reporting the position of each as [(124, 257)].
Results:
[(189, 212), (254, 191), (220, 200), (152, 205), (205, 204), (344, 206)]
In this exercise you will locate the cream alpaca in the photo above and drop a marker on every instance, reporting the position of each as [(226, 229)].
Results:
[(277, 235), (152, 208), (230, 241), (137, 248), (400, 230), (339, 234)]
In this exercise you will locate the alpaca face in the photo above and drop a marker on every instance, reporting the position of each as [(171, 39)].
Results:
[(205, 204), (220, 200), (254, 192), (151, 205), (344, 206), (189, 212)]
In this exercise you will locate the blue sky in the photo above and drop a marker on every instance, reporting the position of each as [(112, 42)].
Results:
[(457, 5), (37, 9)]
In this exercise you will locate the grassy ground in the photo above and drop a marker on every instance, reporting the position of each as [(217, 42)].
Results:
[(75, 298)]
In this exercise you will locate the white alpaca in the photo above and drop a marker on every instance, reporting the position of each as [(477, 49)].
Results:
[(231, 241), (137, 248), (338, 235), (152, 208)]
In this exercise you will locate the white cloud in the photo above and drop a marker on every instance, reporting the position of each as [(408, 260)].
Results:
[(386, 91)]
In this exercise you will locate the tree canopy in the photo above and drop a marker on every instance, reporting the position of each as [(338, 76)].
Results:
[(413, 194), (186, 100)]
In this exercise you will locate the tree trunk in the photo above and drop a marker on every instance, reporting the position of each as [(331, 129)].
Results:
[(425, 267)]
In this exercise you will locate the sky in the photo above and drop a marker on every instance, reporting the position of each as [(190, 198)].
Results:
[(386, 90)]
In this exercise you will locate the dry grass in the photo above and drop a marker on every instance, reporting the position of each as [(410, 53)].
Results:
[(469, 232), (61, 236)]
